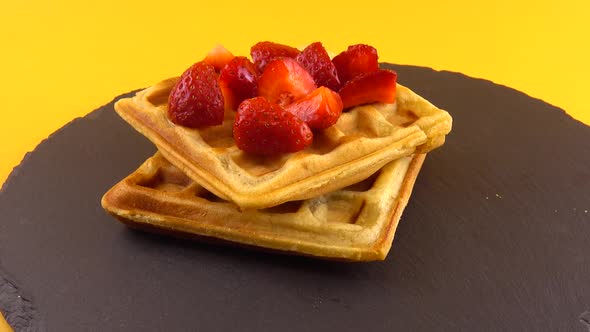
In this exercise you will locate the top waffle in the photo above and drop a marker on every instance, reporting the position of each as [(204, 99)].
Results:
[(362, 141)]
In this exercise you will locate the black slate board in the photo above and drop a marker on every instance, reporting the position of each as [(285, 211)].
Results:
[(496, 237)]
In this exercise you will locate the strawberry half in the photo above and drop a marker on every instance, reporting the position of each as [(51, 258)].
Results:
[(316, 61), (218, 57), (238, 81), (320, 109), (357, 59), (196, 99), (265, 128), (377, 86), (264, 52), (284, 81)]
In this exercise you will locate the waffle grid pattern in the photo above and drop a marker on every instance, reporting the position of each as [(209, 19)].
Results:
[(355, 223), (363, 140)]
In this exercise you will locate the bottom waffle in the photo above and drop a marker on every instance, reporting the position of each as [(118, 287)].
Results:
[(356, 223)]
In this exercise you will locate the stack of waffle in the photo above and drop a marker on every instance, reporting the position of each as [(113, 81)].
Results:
[(341, 198)]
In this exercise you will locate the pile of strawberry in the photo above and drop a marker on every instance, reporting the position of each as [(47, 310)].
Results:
[(282, 96)]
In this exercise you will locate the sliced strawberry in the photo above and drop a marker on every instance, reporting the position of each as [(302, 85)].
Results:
[(265, 128), (196, 99), (284, 81), (320, 109), (218, 57), (316, 61), (264, 52), (357, 59), (373, 87), (238, 81)]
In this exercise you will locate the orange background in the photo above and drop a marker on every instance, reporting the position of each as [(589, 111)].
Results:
[(62, 59)]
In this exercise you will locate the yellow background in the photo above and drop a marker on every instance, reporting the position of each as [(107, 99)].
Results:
[(61, 59)]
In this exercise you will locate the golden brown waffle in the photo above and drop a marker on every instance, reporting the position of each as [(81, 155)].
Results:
[(356, 223), (362, 141)]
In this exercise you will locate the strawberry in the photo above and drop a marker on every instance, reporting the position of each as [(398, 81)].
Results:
[(316, 61), (320, 109), (284, 81), (357, 59), (264, 52), (377, 86), (265, 128), (196, 99), (238, 81), (218, 57)]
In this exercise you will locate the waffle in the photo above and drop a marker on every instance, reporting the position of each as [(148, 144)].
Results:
[(356, 223), (362, 141)]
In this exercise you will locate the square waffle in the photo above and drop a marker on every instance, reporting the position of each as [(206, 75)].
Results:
[(356, 223), (362, 141)]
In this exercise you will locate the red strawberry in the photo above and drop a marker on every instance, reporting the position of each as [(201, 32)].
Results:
[(238, 81), (265, 128), (284, 81), (377, 86), (357, 59), (264, 52), (218, 57), (319, 109), (316, 61), (196, 99)]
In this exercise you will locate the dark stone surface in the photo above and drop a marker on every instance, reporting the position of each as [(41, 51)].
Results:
[(496, 237)]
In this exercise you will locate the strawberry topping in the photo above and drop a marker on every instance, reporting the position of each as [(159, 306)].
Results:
[(264, 52), (280, 96), (284, 81), (196, 99), (316, 61), (238, 81), (320, 109), (265, 128), (377, 86), (218, 57), (357, 59)]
